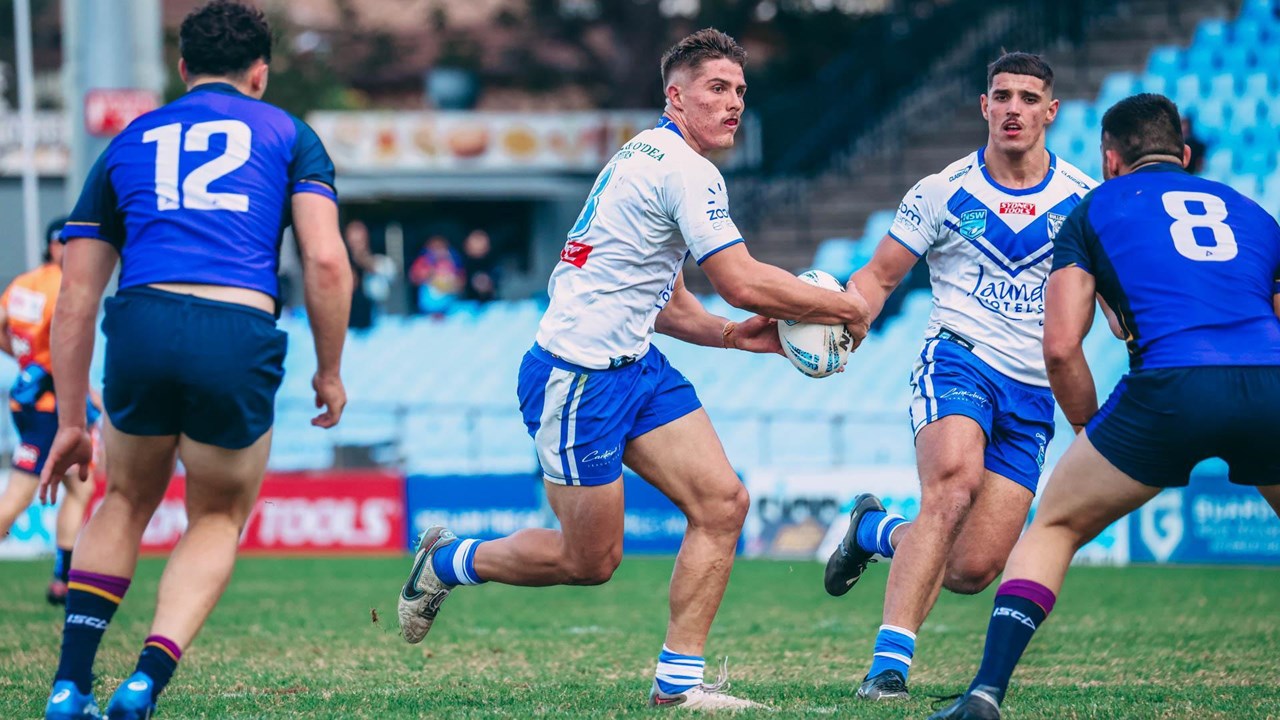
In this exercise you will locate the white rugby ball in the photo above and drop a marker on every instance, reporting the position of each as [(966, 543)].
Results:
[(816, 350)]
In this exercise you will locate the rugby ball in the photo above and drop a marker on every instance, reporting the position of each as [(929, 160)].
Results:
[(816, 350)]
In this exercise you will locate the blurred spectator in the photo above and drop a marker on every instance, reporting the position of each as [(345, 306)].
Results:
[(357, 236), (438, 275), (480, 269), (1196, 164)]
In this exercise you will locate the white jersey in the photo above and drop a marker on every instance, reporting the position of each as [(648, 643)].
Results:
[(989, 250), (619, 267)]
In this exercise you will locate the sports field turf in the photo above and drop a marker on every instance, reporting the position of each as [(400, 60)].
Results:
[(296, 638)]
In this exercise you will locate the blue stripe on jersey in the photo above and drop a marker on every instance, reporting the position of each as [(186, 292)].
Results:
[(903, 244), (1012, 250)]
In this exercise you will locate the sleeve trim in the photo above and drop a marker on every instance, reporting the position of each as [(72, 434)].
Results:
[(729, 244), (315, 186), (904, 244)]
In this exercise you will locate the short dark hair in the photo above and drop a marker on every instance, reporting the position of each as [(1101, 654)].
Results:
[(53, 234), (224, 37), (1021, 63), (706, 44), (1144, 124)]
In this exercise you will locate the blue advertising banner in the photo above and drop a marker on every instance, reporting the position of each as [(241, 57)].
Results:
[(474, 506), (1209, 521)]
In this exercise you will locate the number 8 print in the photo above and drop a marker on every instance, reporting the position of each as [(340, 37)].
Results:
[(1185, 222)]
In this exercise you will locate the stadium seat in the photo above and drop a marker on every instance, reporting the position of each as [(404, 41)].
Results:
[(1211, 33), (1236, 59), (1263, 10), (1117, 86), (1257, 87), (1152, 83), (1249, 32), (1186, 90), (836, 256), (1201, 60), (1165, 61), (878, 225)]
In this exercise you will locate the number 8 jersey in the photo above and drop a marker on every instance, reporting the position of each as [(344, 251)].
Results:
[(1190, 266), (619, 266), (197, 191)]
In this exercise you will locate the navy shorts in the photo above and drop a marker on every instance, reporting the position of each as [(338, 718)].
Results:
[(35, 437), (581, 419), (1158, 424), (180, 364), (1016, 417)]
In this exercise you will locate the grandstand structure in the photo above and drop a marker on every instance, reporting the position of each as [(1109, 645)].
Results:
[(437, 396)]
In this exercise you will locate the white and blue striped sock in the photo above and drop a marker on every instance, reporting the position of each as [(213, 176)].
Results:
[(455, 564), (677, 673), (893, 651)]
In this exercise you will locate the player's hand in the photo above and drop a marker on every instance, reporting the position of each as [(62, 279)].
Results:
[(71, 446), (331, 396), (758, 334), (858, 328)]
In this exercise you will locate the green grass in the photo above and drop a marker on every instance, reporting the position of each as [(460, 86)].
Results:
[(296, 638)]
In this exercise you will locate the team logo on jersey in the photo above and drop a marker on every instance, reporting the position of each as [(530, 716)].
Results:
[(1017, 208), (1055, 224), (575, 253), (973, 223)]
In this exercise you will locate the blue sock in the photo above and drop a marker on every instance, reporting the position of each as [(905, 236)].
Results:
[(455, 564), (1021, 605), (893, 651), (92, 600), (158, 660), (62, 565), (677, 673), (875, 530)]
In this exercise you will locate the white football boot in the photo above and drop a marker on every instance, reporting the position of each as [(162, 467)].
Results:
[(423, 592), (710, 698)]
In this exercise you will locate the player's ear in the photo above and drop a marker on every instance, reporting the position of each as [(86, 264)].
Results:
[(1186, 156), (1111, 163), (673, 96), (982, 102), (182, 70), (1053, 110), (258, 73)]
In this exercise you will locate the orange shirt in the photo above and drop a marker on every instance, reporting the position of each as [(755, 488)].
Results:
[(29, 302)]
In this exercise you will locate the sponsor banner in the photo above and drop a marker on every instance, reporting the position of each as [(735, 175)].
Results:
[(1209, 521), (474, 506), (461, 141), (493, 506), (340, 511), (52, 153), (805, 514)]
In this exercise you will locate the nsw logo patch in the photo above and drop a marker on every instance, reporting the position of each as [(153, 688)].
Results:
[(973, 223)]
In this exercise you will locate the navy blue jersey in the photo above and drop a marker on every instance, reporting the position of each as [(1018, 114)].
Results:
[(198, 191), (1189, 265)]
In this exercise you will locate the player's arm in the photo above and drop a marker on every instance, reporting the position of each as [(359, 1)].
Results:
[(6, 342), (685, 318), (326, 287), (1113, 320), (883, 273), (749, 284), (1068, 315)]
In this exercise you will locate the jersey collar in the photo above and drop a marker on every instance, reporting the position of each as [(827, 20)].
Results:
[(982, 164), (1161, 167), (218, 87), (667, 123)]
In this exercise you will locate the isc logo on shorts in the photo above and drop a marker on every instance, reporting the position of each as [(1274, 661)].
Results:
[(26, 456)]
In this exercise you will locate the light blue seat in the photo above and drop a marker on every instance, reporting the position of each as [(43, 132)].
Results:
[(1250, 32), (1071, 116), (1165, 61), (1152, 83), (1211, 33), (1236, 58), (1222, 87), (1117, 86), (878, 224), (836, 256), (1187, 90)]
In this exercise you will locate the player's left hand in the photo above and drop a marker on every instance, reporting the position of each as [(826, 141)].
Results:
[(758, 334), (71, 446)]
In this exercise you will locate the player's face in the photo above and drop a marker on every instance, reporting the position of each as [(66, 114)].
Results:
[(1017, 108), (710, 97)]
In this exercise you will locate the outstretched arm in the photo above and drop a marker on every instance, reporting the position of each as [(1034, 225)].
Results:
[(686, 319), (1068, 314), (883, 274)]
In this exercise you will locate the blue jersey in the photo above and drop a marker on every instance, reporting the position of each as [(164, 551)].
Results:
[(198, 191), (1189, 265)]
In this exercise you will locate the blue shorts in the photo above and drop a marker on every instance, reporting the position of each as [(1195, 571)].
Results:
[(1158, 424), (35, 434), (581, 419), (1016, 417), (180, 364)]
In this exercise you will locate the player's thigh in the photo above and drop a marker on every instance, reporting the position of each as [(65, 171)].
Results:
[(1086, 492), (993, 525), (18, 493), (223, 481), (949, 454), (686, 462), (141, 466), (591, 521)]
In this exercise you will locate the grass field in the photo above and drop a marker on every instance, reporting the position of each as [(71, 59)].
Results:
[(296, 638)]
